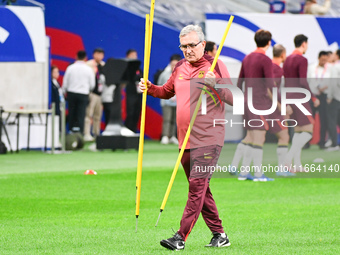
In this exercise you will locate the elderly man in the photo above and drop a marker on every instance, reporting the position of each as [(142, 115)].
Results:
[(206, 141)]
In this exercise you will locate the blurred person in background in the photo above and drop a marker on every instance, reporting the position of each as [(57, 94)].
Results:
[(257, 74), (169, 105), (133, 96), (333, 100), (57, 92), (279, 57), (331, 57), (319, 76), (95, 108), (107, 100), (78, 82), (295, 71), (312, 7), (211, 48)]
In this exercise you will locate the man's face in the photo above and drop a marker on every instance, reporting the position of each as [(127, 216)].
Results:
[(323, 60), (55, 73), (192, 54), (98, 56), (305, 47), (132, 55), (213, 52), (331, 57)]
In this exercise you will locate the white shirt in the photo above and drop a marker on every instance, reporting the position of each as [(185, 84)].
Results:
[(163, 78), (79, 78), (334, 91), (318, 77)]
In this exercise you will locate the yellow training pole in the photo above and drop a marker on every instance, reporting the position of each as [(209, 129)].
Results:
[(192, 121), (152, 11), (142, 125), (147, 51)]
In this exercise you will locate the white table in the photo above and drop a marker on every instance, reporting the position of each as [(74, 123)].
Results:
[(30, 114)]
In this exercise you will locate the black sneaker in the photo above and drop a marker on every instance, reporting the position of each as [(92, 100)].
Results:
[(218, 241), (174, 243)]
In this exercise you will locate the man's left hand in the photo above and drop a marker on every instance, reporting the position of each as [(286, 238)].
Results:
[(210, 79)]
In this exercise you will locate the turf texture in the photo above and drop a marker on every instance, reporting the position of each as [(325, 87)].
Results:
[(48, 206)]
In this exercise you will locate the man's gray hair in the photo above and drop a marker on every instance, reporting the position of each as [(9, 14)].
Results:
[(190, 28)]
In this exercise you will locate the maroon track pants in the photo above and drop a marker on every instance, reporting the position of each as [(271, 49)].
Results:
[(200, 199)]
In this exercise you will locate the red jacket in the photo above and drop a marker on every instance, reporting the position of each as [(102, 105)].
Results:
[(185, 82)]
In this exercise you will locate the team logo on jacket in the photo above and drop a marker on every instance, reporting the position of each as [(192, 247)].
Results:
[(180, 77), (201, 74)]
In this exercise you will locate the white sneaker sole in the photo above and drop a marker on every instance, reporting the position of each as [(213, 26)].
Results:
[(225, 245), (170, 246)]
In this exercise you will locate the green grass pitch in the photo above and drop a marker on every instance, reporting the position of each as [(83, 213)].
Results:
[(47, 205)]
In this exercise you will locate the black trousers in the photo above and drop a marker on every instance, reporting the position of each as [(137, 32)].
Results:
[(334, 120), (107, 112), (77, 104), (133, 108), (323, 114)]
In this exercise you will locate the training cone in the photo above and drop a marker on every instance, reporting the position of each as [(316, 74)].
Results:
[(90, 172)]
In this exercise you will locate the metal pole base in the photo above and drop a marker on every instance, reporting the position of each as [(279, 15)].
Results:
[(159, 216)]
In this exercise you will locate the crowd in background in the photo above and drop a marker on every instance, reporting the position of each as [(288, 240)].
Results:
[(323, 79), (88, 95), (262, 75)]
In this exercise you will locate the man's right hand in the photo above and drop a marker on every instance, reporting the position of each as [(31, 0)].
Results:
[(289, 110), (316, 103), (142, 85)]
